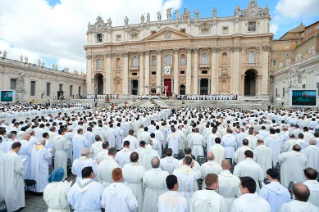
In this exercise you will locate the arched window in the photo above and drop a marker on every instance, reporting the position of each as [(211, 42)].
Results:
[(224, 58), (153, 61), (118, 63), (168, 59), (134, 61), (204, 58), (183, 60), (251, 57), (99, 64)]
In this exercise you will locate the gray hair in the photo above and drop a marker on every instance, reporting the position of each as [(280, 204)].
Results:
[(85, 151), (11, 135), (313, 141), (155, 162), (210, 156)]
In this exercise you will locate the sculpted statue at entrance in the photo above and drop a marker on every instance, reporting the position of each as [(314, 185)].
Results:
[(196, 14), (148, 18), (142, 19), (126, 20), (159, 16), (176, 15), (168, 14), (214, 12)]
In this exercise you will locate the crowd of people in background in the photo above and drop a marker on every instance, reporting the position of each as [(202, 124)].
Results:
[(209, 97), (164, 159)]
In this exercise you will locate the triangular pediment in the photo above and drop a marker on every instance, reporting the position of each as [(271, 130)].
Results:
[(168, 34)]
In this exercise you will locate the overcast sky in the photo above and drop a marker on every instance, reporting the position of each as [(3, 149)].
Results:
[(55, 30)]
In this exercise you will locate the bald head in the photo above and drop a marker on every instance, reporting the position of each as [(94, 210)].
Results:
[(26, 136), (210, 156), (155, 162), (226, 164), (301, 192), (313, 141)]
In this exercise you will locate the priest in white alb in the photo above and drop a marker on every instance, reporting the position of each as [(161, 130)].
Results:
[(211, 166), (240, 152), (218, 151), (123, 156), (263, 156), (83, 162), (106, 167), (61, 146), (79, 142), (169, 163), (147, 155), (313, 185), (197, 143), (312, 154)]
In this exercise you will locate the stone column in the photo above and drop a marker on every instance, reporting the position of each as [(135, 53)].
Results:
[(195, 79), (88, 75), (1, 80), (265, 71), (236, 69), (189, 71), (125, 75), (108, 76), (176, 70), (147, 71), (159, 71), (141, 70), (214, 70)]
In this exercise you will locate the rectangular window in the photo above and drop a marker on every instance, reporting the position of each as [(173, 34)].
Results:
[(204, 72), (302, 35), (251, 26), (182, 72), (13, 85), (61, 87), (183, 30), (274, 62), (33, 87), (134, 74), (204, 31), (283, 92), (118, 37), (71, 90), (225, 29), (99, 38), (154, 61), (303, 85), (48, 88), (133, 36), (309, 31), (153, 72), (317, 27), (79, 91)]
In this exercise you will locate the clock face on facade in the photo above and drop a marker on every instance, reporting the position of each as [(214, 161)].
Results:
[(167, 70)]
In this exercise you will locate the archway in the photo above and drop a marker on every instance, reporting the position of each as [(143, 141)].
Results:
[(250, 83), (98, 84), (203, 86), (182, 89)]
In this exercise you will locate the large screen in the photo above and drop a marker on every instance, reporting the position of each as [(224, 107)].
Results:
[(6, 96), (304, 98)]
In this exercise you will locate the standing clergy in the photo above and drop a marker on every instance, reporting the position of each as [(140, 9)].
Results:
[(133, 178), (106, 167), (25, 153), (86, 194), (123, 156), (56, 192), (301, 195), (197, 143), (119, 136), (274, 143), (61, 146), (313, 185), (240, 152), (228, 185), (229, 142), (187, 177), (169, 163), (111, 136), (173, 141), (103, 154), (208, 199), (210, 167), (249, 201), (146, 156), (275, 194), (83, 162), (40, 159), (292, 165), (218, 151), (249, 167), (96, 147), (263, 155), (154, 182), (12, 186), (312, 154), (100, 132), (132, 139), (172, 201), (79, 142), (117, 196)]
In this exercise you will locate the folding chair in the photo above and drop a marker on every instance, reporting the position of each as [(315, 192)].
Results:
[(201, 160)]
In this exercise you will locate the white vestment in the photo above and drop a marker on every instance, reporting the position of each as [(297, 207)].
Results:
[(211, 140), (173, 142), (274, 143), (154, 182), (134, 143), (96, 148), (313, 186), (61, 146), (208, 168), (169, 164), (229, 142), (55, 196), (119, 197), (81, 163), (250, 168), (133, 177), (12, 186), (40, 159), (79, 142), (263, 155), (207, 200), (146, 157), (219, 152), (86, 196), (197, 142), (250, 203), (25, 153), (292, 165), (298, 206), (312, 154), (275, 194), (110, 137), (123, 157), (228, 187), (171, 201), (100, 132), (240, 153), (101, 156), (105, 169)]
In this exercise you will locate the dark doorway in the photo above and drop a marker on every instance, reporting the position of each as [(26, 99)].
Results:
[(182, 90), (134, 87), (99, 81), (250, 83), (203, 87)]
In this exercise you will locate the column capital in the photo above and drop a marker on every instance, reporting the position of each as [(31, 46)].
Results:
[(159, 51), (89, 57), (176, 50), (214, 49), (189, 50), (125, 54), (108, 55), (147, 52), (195, 50), (236, 48), (141, 53), (266, 47)]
